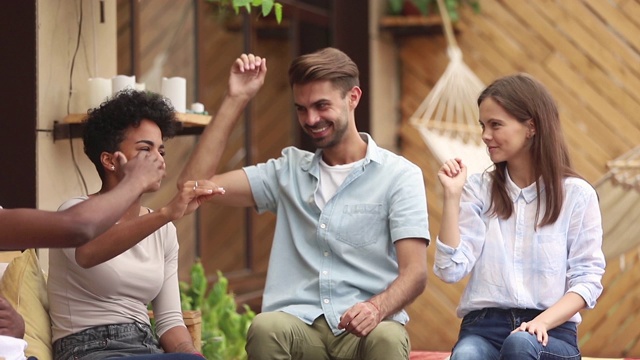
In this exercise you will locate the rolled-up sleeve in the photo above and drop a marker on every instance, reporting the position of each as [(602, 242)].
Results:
[(586, 262), (452, 264)]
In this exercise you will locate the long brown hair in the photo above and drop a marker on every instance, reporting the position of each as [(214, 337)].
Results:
[(525, 98)]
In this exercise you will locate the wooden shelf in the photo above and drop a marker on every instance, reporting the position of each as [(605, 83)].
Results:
[(412, 25), (71, 126)]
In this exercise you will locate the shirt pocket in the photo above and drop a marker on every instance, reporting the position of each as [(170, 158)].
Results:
[(551, 253), (361, 224)]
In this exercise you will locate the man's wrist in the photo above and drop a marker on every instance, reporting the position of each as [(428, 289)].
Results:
[(375, 306), (130, 181), (242, 98)]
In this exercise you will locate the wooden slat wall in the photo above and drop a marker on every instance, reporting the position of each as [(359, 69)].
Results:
[(166, 30), (223, 229), (164, 49), (611, 328), (587, 52)]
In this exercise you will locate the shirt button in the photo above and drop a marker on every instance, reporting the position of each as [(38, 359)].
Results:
[(326, 301), (326, 253), (322, 226)]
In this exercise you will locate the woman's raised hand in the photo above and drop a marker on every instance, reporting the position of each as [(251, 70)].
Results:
[(452, 175), (190, 196)]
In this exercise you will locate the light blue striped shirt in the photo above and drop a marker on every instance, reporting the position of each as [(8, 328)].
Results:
[(512, 265), (325, 261)]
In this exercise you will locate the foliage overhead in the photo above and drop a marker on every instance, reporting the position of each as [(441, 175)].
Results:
[(426, 7), (266, 6)]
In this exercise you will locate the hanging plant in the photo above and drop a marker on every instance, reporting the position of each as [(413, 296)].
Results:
[(266, 6), (427, 7)]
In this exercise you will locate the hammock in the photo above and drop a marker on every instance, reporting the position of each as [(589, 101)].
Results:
[(448, 117), (619, 192)]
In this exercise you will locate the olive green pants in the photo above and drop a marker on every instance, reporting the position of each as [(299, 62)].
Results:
[(280, 336)]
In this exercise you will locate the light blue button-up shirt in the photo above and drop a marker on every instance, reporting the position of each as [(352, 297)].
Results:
[(325, 261), (512, 265)]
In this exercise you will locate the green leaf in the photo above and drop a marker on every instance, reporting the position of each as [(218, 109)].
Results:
[(395, 7), (278, 11), (267, 5), (423, 6), (475, 5), (198, 284)]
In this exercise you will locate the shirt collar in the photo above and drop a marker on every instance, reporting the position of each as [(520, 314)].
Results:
[(373, 154), (528, 194)]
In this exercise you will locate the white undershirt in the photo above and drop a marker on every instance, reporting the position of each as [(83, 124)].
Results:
[(331, 177)]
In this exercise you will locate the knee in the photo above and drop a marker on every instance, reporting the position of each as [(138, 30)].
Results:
[(464, 352), (473, 347), (390, 332), (389, 335), (261, 334), (520, 340), (274, 335), (520, 345), (264, 325)]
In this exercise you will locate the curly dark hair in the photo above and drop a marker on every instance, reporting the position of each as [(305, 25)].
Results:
[(105, 125)]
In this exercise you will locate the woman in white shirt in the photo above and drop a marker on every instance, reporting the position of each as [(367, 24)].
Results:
[(528, 232), (99, 292)]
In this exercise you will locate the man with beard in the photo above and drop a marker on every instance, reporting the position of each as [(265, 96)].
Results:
[(349, 249)]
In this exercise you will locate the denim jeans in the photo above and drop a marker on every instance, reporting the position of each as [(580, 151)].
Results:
[(134, 341), (486, 335)]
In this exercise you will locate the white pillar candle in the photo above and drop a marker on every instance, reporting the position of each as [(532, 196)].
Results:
[(175, 89), (99, 91), (121, 82)]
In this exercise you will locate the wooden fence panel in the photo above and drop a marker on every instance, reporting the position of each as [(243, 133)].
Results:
[(587, 52)]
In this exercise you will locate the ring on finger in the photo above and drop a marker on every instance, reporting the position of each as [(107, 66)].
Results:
[(195, 186)]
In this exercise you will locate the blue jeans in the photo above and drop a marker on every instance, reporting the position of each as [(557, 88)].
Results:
[(134, 341), (486, 335)]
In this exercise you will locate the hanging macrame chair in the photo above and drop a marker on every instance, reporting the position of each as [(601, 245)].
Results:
[(448, 117), (619, 194)]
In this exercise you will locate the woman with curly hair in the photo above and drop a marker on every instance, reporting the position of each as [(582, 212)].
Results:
[(32, 228), (99, 292), (528, 232)]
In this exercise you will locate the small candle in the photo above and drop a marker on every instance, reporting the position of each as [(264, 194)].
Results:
[(197, 108), (175, 89), (99, 91), (121, 82)]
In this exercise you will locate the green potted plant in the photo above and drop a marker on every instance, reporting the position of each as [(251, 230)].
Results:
[(224, 329)]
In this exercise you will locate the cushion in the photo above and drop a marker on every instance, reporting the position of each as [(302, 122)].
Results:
[(24, 286), (5, 259), (428, 355)]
